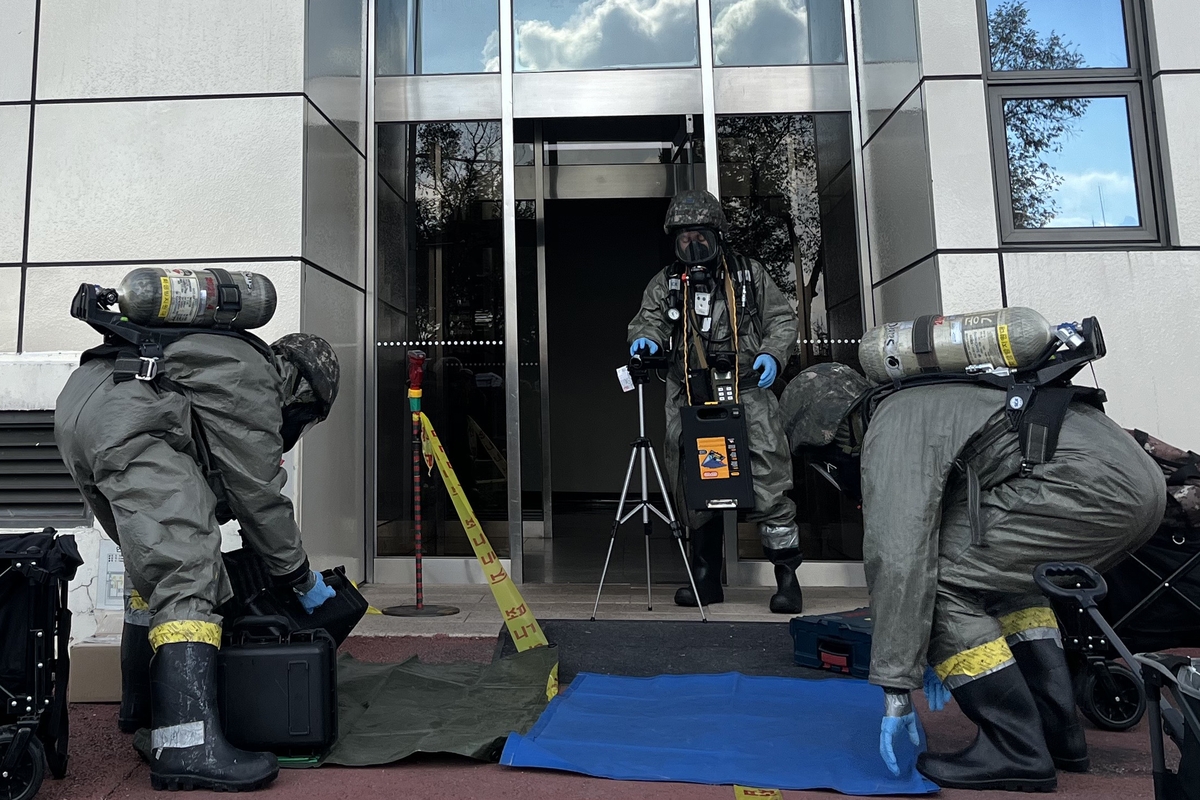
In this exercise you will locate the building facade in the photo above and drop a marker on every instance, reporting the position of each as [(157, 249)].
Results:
[(485, 180)]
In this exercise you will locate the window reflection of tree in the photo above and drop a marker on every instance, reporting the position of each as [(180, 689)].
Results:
[(1037, 127), (457, 196), (769, 191)]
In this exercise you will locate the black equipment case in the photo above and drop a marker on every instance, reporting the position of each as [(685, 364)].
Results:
[(255, 595), (836, 642), (276, 689), (716, 458)]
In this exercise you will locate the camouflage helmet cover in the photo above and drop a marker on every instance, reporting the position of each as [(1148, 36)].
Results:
[(696, 207), (816, 401), (316, 362)]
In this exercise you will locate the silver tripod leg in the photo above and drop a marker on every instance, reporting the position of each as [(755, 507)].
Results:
[(683, 552), (616, 524)]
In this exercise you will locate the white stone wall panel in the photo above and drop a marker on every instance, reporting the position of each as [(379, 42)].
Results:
[(960, 165), (14, 165)]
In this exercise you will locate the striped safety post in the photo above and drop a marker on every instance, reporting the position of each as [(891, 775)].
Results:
[(416, 376)]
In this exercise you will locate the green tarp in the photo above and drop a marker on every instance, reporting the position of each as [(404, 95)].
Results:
[(389, 711)]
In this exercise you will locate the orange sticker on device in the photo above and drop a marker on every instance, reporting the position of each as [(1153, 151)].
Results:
[(714, 458)]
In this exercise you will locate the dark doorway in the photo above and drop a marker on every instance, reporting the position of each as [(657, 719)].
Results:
[(600, 254)]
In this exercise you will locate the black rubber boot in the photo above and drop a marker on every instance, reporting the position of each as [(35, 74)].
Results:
[(188, 749), (1044, 666), (1009, 752), (707, 557), (135, 678), (788, 598)]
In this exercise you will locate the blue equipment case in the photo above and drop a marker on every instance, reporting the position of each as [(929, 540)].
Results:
[(836, 642)]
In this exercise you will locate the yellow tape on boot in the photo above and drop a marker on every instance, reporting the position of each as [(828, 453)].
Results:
[(522, 626), (185, 630), (1029, 624), (970, 664)]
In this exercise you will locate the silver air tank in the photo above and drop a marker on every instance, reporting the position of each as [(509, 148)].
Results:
[(170, 296), (1005, 337)]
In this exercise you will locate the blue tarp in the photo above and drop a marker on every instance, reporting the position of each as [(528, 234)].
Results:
[(779, 733)]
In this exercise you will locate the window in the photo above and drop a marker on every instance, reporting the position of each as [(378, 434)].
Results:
[(1066, 89), (437, 37), (35, 488), (604, 34), (754, 33)]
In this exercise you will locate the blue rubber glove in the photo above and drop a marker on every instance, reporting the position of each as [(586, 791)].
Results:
[(317, 595), (643, 344), (936, 692), (769, 370), (898, 718), (889, 730)]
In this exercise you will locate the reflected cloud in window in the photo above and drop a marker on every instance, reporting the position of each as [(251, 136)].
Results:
[(1070, 163), (1056, 34), (777, 32), (458, 36), (605, 34)]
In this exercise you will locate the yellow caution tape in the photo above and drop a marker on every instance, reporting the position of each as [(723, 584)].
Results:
[(165, 306), (1010, 358), (1027, 619), (976, 661), (185, 630), (745, 792), (370, 608), (525, 631)]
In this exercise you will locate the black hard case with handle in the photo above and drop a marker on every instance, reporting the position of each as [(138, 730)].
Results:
[(277, 689)]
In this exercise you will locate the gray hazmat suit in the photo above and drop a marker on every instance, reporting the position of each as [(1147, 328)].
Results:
[(939, 597), (131, 451), (770, 329)]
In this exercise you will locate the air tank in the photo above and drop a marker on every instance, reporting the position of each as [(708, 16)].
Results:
[(1005, 337), (171, 296)]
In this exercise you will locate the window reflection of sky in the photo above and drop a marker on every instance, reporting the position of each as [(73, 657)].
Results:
[(459, 36), (605, 34), (1096, 28), (766, 32), (1096, 167)]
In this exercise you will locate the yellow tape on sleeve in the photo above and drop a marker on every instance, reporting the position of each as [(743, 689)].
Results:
[(136, 602), (525, 631)]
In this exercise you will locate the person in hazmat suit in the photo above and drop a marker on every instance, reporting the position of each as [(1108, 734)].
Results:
[(144, 454), (713, 300), (954, 604)]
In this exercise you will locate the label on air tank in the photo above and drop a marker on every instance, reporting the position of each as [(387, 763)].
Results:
[(182, 298)]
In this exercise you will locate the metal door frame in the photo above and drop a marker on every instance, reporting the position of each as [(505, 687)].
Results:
[(634, 92)]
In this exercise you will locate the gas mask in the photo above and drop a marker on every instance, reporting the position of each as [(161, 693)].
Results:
[(698, 247)]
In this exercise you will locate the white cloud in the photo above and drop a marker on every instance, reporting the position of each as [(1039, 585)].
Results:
[(1094, 199), (611, 33), (761, 32)]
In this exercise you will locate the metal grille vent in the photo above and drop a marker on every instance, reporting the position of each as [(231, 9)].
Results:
[(36, 490)]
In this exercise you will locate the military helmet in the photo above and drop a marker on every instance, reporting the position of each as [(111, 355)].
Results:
[(816, 401), (311, 384), (696, 207)]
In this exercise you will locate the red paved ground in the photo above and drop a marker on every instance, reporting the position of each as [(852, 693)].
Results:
[(104, 765)]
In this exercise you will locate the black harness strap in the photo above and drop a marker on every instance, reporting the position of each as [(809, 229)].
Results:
[(922, 344)]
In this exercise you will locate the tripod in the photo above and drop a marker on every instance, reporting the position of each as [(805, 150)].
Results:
[(641, 446)]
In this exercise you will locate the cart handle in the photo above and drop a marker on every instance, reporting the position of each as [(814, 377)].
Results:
[(1089, 587), (273, 624)]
